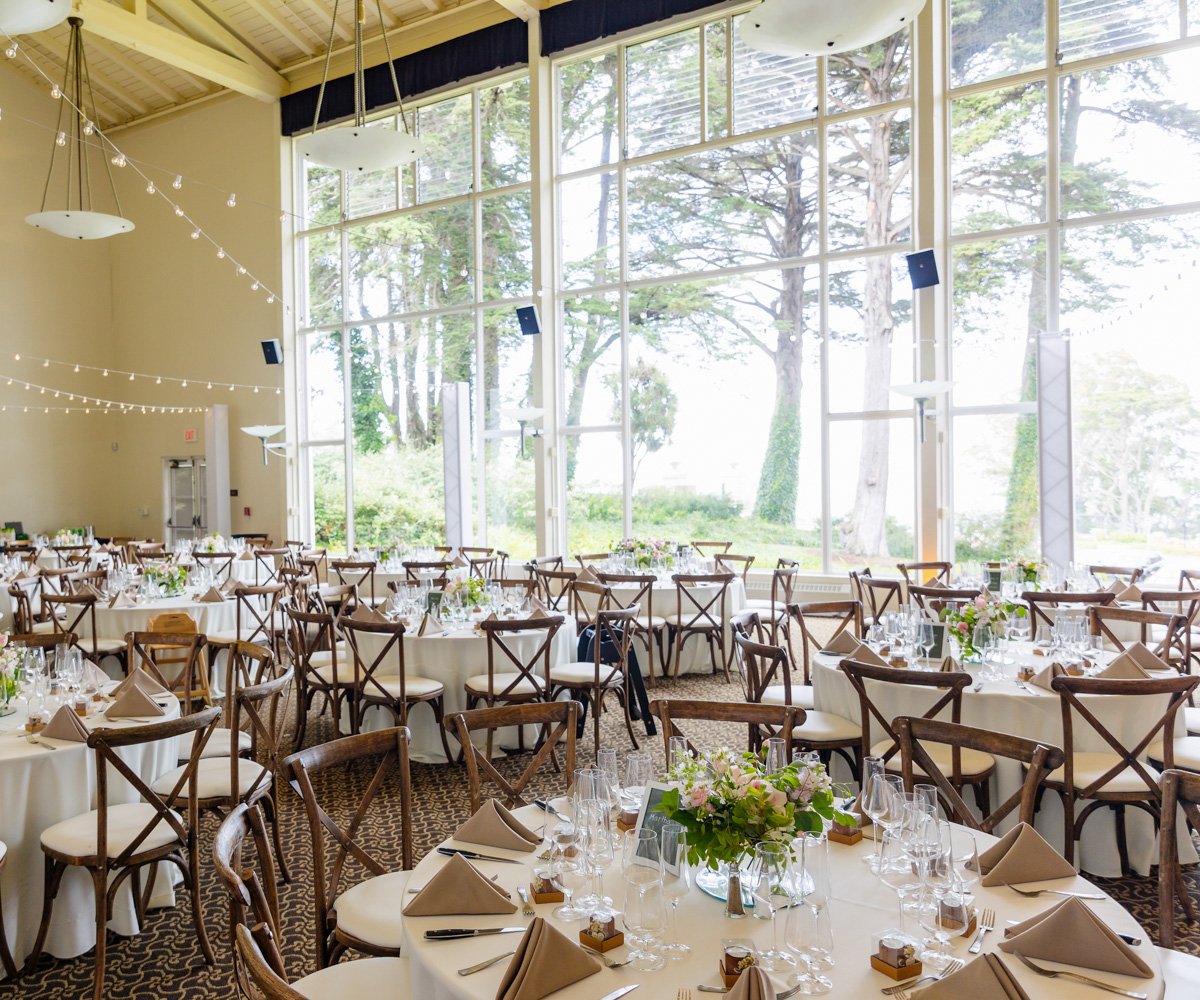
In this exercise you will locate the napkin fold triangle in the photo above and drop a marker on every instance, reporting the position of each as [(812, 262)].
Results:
[(1130, 595), (546, 961), (211, 596), (935, 584), (458, 889), (134, 703), (986, 978), (1123, 666), (753, 984), (538, 609), (865, 654), (589, 573), (844, 643), (231, 586), (93, 676), (1070, 933), (121, 600), (366, 613), (139, 678), (494, 826), (243, 556), (1116, 586), (1023, 855), (951, 666), (1044, 676), (66, 725)]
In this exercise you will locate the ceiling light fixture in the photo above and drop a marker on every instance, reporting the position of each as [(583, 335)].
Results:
[(356, 147), (24, 17), (819, 28), (77, 220)]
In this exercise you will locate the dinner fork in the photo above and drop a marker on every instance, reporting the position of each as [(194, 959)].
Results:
[(899, 991), (704, 988), (683, 994), (1033, 893), (527, 909), (987, 921), (1056, 973)]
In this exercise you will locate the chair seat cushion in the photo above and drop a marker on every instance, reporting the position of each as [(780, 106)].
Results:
[(973, 762), (775, 609), (802, 695), (364, 978), (324, 657), (1090, 766), (1187, 753), (77, 836), (1181, 973), (370, 911), (686, 620), (1191, 718), (414, 687), (650, 621), (824, 727), (42, 628), (582, 674), (500, 682), (248, 634), (104, 645), (219, 743), (212, 778)]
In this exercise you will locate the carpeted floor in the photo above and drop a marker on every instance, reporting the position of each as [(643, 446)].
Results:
[(164, 962)]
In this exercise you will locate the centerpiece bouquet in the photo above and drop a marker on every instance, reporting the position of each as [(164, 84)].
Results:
[(10, 673), (211, 543), (470, 590), (645, 552), (169, 578), (1028, 569), (962, 620)]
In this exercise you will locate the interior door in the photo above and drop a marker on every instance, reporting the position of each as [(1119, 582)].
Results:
[(184, 481)]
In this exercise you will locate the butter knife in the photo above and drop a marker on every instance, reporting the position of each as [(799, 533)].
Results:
[(453, 933), (621, 992), (449, 852)]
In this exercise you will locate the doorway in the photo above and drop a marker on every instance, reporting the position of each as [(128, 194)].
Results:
[(184, 492)]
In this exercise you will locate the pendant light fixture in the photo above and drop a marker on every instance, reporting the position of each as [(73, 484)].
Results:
[(24, 17), (356, 147), (77, 105), (820, 28)]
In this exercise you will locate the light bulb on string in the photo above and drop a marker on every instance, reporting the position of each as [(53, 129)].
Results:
[(220, 253), (184, 384), (106, 373), (231, 201), (60, 139), (231, 388), (179, 211), (158, 381), (16, 357), (277, 391), (195, 234), (210, 385), (77, 369), (131, 376), (283, 216), (119, 160), (254, 287), (45, 362), (151, 189), (88, 127), (11, 51), (270, 299), (241, 270), (177, 183), (56, 92)]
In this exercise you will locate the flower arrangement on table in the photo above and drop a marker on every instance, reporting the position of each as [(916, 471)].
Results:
[(1029, 569), (11, 659), (169, 578), (471, 590), (728, 803), (211, 543), (962, 620), (645, 552), (70, 536)]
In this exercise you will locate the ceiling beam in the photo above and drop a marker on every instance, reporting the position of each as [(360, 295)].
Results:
[(137, 33), (117, 106), (279, 24), (520, 8), (324, 13), (114, 55), (200, 24)]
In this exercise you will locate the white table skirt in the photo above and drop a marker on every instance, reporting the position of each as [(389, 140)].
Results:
[(450, 660), (1001, 706), (209, 617), (860, 906), (40, 787)]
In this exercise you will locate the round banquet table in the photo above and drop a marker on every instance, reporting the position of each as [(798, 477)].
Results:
[(209, 616), (860, 906), (39, 787), (1031, 712), (241, 570), (451, 658)]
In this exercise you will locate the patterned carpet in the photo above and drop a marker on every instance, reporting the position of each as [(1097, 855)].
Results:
[(164, 962)]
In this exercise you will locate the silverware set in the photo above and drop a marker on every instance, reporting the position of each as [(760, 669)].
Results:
[(987, 922), (901, 991)]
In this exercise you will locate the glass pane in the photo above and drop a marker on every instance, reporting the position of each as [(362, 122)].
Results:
[(511, 501), (595, 511), (1131, 135), (504, 133), (871, 492), (999, 305), (870, 344), (587, 113), (1193, 17), (755, 202), (870, 180), (374, 191), (662, 79), (995, 487), (324, 397), (998, 158), (445, 170), (716, 83), (1096, 27), (327, 476), (322, 196), (507, 369), (591, 362), (875, 75), (324, 253), (993, 38), (507, 263), (590, 230), (769, 89)]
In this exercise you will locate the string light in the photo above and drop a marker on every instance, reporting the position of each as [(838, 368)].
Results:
[(232, 201), (151, 189), (220, 253), (179, 211), (195, 234), (119, 160), (159, 378), (55, 92), (11, 51), (177, 183), (60, 139), (88, 127), (90, 401)]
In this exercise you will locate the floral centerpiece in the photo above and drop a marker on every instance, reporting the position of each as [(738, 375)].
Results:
[(211, 543), (70, 536), (1028, 569), (470, 590), (962, 620), (169, 578), (10, 674), (645, 552)]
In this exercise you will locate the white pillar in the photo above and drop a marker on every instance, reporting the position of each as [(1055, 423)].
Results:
[(1057, 500), (456, 459), (216, 469)]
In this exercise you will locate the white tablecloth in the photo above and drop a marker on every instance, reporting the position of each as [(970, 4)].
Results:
[(209, 617), (1033, 714), (40, 787), (860, 906)]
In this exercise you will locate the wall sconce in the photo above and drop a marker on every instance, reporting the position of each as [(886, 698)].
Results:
[(922, 393)]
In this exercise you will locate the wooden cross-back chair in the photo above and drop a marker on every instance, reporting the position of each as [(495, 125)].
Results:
[(336, 599), (517, 583), (1180, 791), (1164, 633), (78, 581), (71, 556), (649, 628), (26, 595), (1037, 758), (699, 612), (116, 841), (554, 588), (552, 563), (144, 552), (75, 614), (761, 721), (1184, 602), (266, 564), (606, 673), (361, 573), (709, 550), (219, 565), (880, 597), (586, 559), (1043, 603), (1103, 576), (933, 600), (585, 600), (1189, 579), (482, 567), (739, 566), (54, 582), (815, 618), (256, 615), (321, 667), (416, 573), (1115, 778), (914, 573), (557, 721), (316, 562), (346, 917), (876, 687), (774, 613), (298, 585), (171, 643)]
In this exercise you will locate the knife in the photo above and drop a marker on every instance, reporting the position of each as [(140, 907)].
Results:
[(621, 992), (453, 933), (449, 852), (545, 806)]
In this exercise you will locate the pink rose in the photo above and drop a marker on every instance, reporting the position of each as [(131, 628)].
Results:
[(3, 639), (777, 799), (980, 602)]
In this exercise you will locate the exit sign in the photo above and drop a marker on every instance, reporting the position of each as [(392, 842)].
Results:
[(189, 435)]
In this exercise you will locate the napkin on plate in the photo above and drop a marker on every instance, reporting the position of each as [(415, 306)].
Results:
[(1022, 855), (1044, 676), (211, 596), (366, 613), (1130, 595), (546, 961), (865, 654), (843, 643), (986, 978), (134, 703), (1070, 933), (121, 600), (1123, 666), (66, 726), (1144, 657), (494, 826), (140, 679), (753, 984), (458, 889), (951, 666)]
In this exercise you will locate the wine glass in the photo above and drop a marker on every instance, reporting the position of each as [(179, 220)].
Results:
[(807, 934), (678, 875), (599, 851), (766, 877), (638, 771), (925, 638), (568, 873), (881, 802), (609, 766)]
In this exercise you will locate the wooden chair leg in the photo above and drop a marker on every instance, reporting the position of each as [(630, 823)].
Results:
[(439, 713), (6, 959), (53, 878), (272, 801), (1122, 839), (1068, 801), (100, 888), (197, 908), (597, 699)]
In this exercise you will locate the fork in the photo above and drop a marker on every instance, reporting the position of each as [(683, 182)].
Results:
[(1033, 893), (683, 994), (612, 963), (1055, 973), (704, 988), (987, 921), (901, 991), (527, 909)]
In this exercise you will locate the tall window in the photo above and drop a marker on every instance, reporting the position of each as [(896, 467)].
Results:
[(411, 279)]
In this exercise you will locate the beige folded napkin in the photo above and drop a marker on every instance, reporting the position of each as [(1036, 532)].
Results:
[(1022, 855), (1124, 667), (935, 583), (461, 561), (1044, 676), (91, 591), (546, 961), (752, 984), (458, 889), (134, 703), (231, 586), (121, 600), (421, 629), (589, 573), (538, 609), (1144, 657), (865, 654), (951, 666), (494, 826), (243, 556), (1116, 586), (1130, 595), (844, 643), (1070, 933), (140, 679), (986, 978), (211, 596), (66, 725), (93, 676), (366, 613)]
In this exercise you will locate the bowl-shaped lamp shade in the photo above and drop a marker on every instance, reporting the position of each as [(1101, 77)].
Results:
[(80, 225), (819, 28), (263, 430), (360, 149), (24, 17)]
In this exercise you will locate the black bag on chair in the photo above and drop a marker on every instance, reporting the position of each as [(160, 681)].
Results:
[(585, 653)]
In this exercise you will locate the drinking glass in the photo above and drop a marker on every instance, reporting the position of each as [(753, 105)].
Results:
[(807, 934), (677, 751), (568, 873), (928, 795), (638, 771), (600, 848), (767, 877), (882, 804), (645, 919), (925, 638), (608, 765), (678, 875), (776, 755)]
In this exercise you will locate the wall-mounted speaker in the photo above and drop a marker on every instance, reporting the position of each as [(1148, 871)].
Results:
[(922, 269), (272, 352), (527, 316)]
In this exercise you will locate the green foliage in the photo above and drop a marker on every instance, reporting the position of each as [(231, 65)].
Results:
[(778, 482), (652, 405)]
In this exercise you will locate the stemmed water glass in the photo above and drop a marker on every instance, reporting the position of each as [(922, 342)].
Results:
[(925, 638), (642, 869), (599, 850), (678, 875), (767, 878), (776, 754), (638, 773), (881, 802), (808, 934), (568, 873)]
